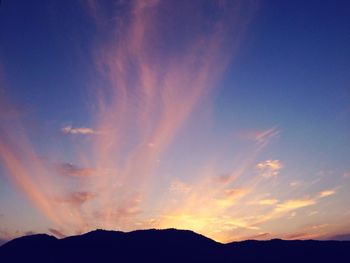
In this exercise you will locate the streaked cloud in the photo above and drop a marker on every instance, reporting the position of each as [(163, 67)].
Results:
[(269, 168), (25, 169)]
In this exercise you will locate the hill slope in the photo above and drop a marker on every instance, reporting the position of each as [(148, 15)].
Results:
[(168, 245)]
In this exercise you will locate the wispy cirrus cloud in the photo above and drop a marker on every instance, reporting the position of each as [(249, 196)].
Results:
[(148, 78)]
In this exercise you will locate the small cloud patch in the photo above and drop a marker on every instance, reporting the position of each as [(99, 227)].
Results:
[(269, 168), (77, 131), (326, 193)]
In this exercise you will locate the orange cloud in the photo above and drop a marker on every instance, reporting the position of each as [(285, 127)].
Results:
[(268, 202), (230, 196), (293, 204), (326, 193)]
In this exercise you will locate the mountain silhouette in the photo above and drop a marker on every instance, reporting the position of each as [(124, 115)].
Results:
[(169, 245)]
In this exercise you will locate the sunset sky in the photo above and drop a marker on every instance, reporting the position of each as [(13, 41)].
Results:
[(229, 118)]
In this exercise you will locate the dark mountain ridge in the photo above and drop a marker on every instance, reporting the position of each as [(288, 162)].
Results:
[(169, 245)]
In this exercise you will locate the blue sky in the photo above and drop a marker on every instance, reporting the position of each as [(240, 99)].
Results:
[(134, 115)]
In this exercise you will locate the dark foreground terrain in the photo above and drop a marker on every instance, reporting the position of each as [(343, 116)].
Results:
[(166, 246)]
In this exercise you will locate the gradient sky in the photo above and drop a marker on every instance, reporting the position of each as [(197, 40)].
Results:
[(229, 118)]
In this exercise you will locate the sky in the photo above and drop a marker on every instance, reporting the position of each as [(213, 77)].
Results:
[(228, 118)]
